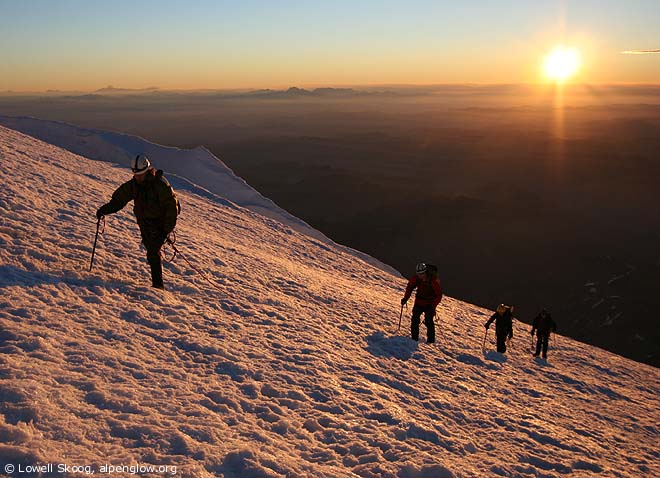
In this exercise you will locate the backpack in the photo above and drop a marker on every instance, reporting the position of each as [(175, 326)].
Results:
[(178, 203), (431, 270), (159, 175), (501, 309)]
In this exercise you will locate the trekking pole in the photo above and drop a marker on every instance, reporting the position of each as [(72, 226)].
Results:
[(96, 238), (483, 346), (400, 315)]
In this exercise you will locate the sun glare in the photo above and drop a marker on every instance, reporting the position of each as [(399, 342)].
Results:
[(562, 63)]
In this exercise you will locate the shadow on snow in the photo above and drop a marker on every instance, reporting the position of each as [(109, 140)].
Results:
[(402, 348)]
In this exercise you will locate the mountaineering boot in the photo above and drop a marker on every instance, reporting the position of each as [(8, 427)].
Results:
[(157, 275), (414, 330), (430, 329)]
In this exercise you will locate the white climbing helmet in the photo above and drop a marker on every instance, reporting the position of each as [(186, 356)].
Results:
[(140, 164)]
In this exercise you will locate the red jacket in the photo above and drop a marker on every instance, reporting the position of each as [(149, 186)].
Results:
[(428, 292)]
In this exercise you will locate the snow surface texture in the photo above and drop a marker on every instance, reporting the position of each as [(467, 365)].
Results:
[(288, 366), (197, 170)]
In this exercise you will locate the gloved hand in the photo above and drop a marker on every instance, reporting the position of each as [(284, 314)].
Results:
[(102, 211), (403, 301), (486, 325), (511, 334), (532, 332)]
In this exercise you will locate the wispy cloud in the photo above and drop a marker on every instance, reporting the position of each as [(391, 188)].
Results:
[(639, 52)]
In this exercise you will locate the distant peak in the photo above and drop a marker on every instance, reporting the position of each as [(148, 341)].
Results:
[(298, 91), (112, 89)]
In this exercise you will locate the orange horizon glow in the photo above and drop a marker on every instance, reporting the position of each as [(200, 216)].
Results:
[(541, 83)]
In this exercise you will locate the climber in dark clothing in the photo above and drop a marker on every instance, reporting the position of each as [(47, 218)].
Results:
[(155, 206), (503, 318), (543, 325), (427, 298)]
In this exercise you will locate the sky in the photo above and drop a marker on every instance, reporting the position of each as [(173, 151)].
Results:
[(86, 45)]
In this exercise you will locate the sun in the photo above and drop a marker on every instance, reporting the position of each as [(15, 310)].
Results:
[(562, 63)]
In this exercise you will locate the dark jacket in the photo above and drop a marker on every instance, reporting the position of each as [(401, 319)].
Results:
[(428, 291), (544, 324), (154, 202), (503, 323)]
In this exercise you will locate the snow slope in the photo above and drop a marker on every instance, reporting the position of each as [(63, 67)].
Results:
[(196, 169), (287, 365)]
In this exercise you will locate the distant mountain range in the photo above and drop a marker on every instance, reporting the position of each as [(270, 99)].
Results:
[(302, 92), (292, 92), (112, 89)]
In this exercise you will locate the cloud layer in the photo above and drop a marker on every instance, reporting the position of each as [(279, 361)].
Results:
[(639, 52)]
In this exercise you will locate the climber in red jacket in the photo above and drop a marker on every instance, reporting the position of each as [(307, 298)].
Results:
[(429, 295)]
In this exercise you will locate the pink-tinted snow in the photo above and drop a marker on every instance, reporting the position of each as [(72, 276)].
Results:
[(286, 367)]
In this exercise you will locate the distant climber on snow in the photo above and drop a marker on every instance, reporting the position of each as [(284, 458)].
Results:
[(503, 318), (155, 206), (543, 324), (427, 298)]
